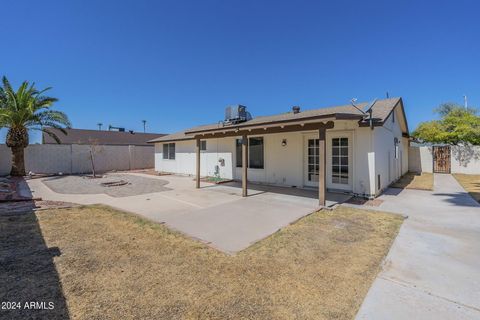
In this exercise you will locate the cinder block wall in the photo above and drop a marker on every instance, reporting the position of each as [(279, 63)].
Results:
[(464, 159), (50, 158), (420, 159)]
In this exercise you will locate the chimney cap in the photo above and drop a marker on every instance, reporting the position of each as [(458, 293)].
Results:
[(296, 109)]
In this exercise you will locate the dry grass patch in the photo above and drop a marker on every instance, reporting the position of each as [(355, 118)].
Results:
[(115, 265), (411, 180), (471, 183)]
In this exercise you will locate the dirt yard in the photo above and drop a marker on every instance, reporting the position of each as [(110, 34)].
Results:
[(410, 180), (98, 263), (471, 183), (130, 185)]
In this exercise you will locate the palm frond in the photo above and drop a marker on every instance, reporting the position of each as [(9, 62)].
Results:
[(51, 134), (53, 116), (44, 102), (28, 107), (42, 91), (6, 84)]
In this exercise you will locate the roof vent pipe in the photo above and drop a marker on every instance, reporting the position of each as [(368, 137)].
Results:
[(296, 109)]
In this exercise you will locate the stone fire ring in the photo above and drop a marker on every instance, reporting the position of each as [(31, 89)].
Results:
[(114, 183)]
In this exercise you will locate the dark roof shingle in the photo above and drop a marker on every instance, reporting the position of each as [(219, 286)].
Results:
[(84, 136), (380, 110)]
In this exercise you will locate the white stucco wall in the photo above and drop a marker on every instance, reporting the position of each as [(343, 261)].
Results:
[(5, 160), (465, 159), (184, 162), (364, 162), (389, 167), (405, 154), (51, 158), (420, 159), (283, 165)]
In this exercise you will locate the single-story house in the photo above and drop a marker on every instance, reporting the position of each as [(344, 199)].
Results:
[(358, 148)]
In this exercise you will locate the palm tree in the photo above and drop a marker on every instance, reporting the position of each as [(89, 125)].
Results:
[(23, 110)]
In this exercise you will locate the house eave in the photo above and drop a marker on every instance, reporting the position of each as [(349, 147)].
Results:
[(304, 124), (272, 124)]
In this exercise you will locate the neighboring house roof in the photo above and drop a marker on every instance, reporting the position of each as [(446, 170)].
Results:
[(381, 110), (83, 136)]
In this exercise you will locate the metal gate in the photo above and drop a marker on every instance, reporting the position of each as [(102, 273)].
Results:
[(441, 159)]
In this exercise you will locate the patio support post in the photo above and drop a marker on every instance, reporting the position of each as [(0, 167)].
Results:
[(322, 157), (198, 164), (244, 164)]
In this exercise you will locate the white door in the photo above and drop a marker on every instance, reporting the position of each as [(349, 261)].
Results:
[(340, 161), (311, 161)]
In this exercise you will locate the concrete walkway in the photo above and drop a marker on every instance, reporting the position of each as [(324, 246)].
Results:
[(433, 268), (214, 214)]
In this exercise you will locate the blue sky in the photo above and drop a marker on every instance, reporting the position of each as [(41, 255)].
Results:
[(179, 63)]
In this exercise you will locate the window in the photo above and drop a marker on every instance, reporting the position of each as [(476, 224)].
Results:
[(203, 145), (340, 160), (238, 148), (169, 151), (165, 151), (255, 153), (313, 159)]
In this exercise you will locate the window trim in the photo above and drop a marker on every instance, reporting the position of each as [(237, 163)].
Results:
[(238, 153), (339, 174), (202, 144), (250, 153), (168, 155)]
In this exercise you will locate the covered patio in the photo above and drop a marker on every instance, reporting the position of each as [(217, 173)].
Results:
[(320, 124)]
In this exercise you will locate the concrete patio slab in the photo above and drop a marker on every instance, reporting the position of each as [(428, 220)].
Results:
[(214, 214), (432, 269), (235, 225)]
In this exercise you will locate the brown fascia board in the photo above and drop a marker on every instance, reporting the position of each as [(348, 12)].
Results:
[(268, 125), (261, 131), (335, 116), (404, 114)]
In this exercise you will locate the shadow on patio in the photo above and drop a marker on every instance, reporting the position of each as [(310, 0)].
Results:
[(254, 189)]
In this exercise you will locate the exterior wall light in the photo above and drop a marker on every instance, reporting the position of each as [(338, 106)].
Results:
[(284, 142)]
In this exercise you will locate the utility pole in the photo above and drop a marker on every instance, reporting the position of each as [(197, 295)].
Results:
[(100, 126), (465, 101), (144, 125)]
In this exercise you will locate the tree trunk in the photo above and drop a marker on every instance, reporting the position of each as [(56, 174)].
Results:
[(17, 140), (93, 163), (18, 161)]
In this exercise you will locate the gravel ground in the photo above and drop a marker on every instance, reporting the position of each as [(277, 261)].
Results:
[(84, 185)]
